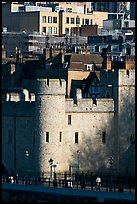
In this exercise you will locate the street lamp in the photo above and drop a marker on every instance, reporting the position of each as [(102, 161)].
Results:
[(78, 157), (54, 166), (110, 159), (50, 163)]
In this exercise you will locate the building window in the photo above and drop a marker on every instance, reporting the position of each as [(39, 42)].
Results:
[(127, 73), (83, 21), (47, 137), (69, 119), (43, 19), (49, 19), (68, 9), (33, 137), (91, 21), (87, 21), (66, 31), (131, 115), (54, 30), (67, 19), (76, 137), (77, 20), (44, 29), (50, 30), (60, 136), (10, 137), (54, 19), (103, 137), (72, 21)]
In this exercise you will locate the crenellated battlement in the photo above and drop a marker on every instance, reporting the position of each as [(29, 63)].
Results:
[(18, 95), (89, 105), (126, 77), (51, 86)]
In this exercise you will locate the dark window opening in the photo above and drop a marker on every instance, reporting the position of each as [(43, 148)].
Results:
[(94, 101), (76, 137), (69, 119), (128, 73), (10, 137), (60, 136), (131, 115), (47, 82), (103, 137), (47, 136)]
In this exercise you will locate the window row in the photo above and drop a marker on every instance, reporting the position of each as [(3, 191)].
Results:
[(49, 19), (77, 21), (47, 137), (49, 30)]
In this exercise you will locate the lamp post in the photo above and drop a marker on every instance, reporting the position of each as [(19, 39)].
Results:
[(50, 163), (110, 159), (78, 157)]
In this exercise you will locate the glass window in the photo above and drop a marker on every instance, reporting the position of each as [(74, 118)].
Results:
[(76, 137), (50, 30), (87, 21), (67, 19), (83, 21), (54, 30), (77, 20), (43, 19), (66, 31), (44, 29), (54, 19), (72, 21), (49, 19)]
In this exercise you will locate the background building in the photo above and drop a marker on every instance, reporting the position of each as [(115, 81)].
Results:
[(52, 23)]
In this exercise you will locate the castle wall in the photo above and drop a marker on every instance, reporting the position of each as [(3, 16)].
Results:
[(17, 135)]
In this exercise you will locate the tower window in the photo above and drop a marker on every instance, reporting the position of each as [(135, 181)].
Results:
[(47, 137), (10, 137), (103, 137), (131, 115), (69, 119), (76, 137), (60, 136)]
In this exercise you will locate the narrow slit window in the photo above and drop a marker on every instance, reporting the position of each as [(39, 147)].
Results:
[(131, 115), (47, 82), (76, 137), (34, 137), (69, 119), (60, 136), (10, 137), (103, 137), (47, 137)]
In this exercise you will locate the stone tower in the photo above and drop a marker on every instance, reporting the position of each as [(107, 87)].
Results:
[(49, 122), (125, 117)]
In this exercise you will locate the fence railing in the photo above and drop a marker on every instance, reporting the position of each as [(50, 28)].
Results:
[(82, 181)]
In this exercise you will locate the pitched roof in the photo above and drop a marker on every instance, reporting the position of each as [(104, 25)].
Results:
[(77, 61)]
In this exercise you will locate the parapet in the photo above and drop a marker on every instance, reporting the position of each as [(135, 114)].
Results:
[(90, 105), (51, 86)]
